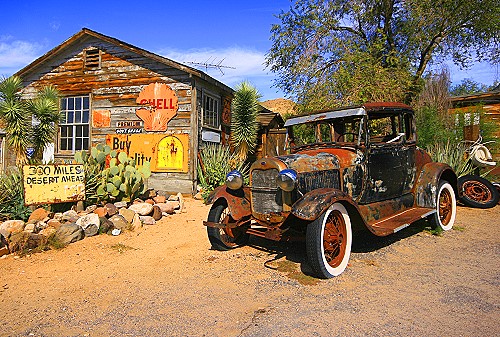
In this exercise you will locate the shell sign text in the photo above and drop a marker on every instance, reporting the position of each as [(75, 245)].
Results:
[(159, 105)]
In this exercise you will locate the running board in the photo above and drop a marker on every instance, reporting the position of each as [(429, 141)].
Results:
[(400, 221)]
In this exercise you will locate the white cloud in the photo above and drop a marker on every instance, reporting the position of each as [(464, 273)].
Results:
[(15, 54), (248, 65)]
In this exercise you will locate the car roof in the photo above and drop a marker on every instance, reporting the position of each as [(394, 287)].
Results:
[(359, 110)]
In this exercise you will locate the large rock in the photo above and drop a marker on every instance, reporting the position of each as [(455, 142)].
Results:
[(168, 207), (105, 226), (148, 220), (24, 240), (38, 214), (47, 231), (70, 216), (128, 214), (100, 211), (157, 213), (160, 199), (30, 228), (69, 233), (119, 222), (89, 223), (120, 204), (111, 209), (142, 208), (11, 227), (136, 222), (54, 223)]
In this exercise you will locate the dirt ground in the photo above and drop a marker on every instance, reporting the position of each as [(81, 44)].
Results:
[(165, 281)]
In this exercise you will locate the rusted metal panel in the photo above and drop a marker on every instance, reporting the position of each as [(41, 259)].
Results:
[(50, 184), (238, 201), (427, 183), (314, 203)]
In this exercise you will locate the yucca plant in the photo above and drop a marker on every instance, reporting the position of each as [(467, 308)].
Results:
[(215, 162), (28, 122), (453, 154), (15, 117), (244, 124)]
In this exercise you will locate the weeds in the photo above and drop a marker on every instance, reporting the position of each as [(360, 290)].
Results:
[(121, 248)]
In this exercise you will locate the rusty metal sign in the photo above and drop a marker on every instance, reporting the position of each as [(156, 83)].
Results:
[(159, 105), (166, 153), (52, 184)]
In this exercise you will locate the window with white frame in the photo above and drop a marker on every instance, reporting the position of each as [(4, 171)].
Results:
[(74, 131), (211, 112)]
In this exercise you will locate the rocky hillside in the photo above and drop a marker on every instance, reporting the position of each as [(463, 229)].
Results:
[(281, 105)]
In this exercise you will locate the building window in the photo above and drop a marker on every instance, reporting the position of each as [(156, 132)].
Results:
[(211, 112), (74, 132), (92, 59)]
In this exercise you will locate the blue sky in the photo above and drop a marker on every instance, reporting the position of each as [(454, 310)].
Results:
[(232, 31)]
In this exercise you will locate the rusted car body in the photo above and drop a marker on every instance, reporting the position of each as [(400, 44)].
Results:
[(346, 169)]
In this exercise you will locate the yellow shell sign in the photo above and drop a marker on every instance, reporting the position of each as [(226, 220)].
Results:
[(50, 184)]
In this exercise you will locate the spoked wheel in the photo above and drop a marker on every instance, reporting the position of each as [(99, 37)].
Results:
[(446, 207), (225, 238), (328, 242), (477, 192)]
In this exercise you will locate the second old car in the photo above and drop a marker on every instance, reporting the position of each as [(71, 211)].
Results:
[(346, 169)]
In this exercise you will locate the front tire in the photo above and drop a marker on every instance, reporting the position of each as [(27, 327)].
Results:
[(446, 207), (328, 242), (225, 238)]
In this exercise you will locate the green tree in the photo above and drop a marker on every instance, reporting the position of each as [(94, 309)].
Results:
[(468, 87), (336, 52), (244, 124), (30, 122)]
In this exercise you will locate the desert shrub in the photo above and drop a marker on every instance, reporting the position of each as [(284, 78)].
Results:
[(12, 196), (215, 162)]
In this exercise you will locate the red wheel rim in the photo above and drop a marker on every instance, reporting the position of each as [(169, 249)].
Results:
[(334, 238), (477, 191), (445, 206)]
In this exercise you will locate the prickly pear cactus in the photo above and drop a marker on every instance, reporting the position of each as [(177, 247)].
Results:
[(121, 180)]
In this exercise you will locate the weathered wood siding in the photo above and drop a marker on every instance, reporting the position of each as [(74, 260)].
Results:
[(114, 88)]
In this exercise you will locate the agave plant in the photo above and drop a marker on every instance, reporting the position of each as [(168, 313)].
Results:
[(454, 155), (244, 125), (215, 162)]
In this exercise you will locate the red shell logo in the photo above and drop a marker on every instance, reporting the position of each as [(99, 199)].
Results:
[(160, 105)]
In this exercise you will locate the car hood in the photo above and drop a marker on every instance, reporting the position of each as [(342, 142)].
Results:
[(301, 162)]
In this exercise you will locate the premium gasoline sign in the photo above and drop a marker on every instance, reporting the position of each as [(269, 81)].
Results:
[(51, 184)]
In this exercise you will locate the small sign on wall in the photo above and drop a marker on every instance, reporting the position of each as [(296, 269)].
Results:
[(51, 184)]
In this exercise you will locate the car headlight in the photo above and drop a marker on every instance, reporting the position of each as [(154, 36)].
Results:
[(287, 180), (234, 180)]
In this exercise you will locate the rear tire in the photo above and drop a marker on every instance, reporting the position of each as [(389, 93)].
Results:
[(446, 207), (328, 242), (225, 238), (477, 192)]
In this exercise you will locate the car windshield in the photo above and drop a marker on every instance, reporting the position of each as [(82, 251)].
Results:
[(339, 130)]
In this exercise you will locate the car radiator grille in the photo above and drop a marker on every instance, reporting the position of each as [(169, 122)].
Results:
[(309, 181), (266, 196)]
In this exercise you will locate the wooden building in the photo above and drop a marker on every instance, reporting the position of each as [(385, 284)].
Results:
[(147, 105), (489, 103)]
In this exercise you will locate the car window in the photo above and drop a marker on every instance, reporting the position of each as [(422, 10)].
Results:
[(385, 129)]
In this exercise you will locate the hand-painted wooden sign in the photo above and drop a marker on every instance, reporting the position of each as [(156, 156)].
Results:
[(160, 105), (51, 184), (166, 153)]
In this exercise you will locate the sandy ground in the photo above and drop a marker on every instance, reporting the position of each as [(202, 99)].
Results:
[(165, 281)]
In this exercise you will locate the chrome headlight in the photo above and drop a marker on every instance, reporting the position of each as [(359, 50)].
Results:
[(287, 180), (234, 180)]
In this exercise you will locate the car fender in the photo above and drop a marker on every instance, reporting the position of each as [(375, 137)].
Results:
[(314, 203), (238, 201), (428, 180)]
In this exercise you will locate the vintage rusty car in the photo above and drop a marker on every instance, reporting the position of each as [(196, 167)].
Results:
[(347, 169)]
